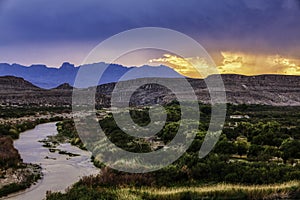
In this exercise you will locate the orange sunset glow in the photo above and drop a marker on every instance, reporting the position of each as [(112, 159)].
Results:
[(233, 63)]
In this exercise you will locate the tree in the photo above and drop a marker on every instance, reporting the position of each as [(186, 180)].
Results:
[(290, 149), (224, 146), (242, 146), (169, 131), (255, 151), (13, 132)]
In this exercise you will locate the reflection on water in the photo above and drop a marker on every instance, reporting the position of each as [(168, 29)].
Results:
[(60, 171)]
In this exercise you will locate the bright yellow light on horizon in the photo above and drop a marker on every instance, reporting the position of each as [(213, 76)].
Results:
[(250, 64), (233, 63), (183, 66)]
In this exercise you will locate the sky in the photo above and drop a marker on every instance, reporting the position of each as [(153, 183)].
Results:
[(242, 36)]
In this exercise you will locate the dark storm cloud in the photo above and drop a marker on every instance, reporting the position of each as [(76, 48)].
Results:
[(298, 3), (68, 20)]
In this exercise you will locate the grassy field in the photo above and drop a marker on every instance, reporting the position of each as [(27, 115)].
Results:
[(288, 190)]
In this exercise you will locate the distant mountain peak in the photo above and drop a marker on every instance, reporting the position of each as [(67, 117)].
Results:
[(64, 86), (39, 66), (67, 65), (47, 77)]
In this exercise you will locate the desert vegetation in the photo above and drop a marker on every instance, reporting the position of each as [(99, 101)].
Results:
[(257, 156)]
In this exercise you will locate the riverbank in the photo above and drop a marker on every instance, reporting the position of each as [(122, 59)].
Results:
[(60, 169), (16, 179), (15, 174)]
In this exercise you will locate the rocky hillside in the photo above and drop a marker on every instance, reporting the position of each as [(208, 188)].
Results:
[(17, 91), (12, 84), (263, 89)]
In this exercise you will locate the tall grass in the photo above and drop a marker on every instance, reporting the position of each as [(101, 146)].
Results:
[(218, 191), (288, 190)]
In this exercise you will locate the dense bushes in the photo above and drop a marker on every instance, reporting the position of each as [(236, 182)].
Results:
[(261, 149), (9, 156), (243, 154)]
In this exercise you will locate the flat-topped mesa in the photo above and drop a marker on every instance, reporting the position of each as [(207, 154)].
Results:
[(279, 90)]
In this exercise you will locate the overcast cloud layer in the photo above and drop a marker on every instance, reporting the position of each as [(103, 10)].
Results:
[(267, 26)]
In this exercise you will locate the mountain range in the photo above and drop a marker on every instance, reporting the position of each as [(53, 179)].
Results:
[(46, 77), (278, 90)]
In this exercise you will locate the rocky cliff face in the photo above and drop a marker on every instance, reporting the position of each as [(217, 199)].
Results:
[(263, 89)]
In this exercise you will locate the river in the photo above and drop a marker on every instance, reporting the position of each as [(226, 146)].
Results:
[(60, 171)]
